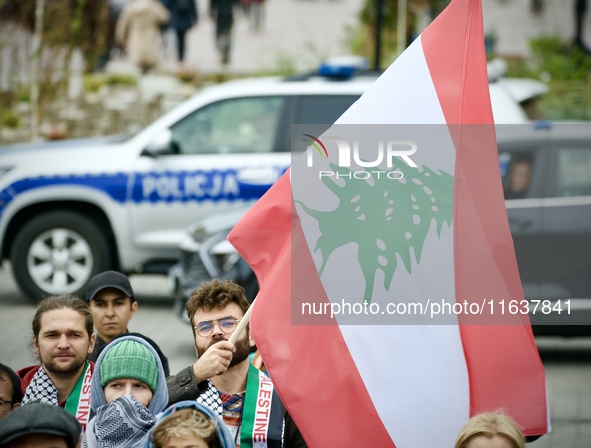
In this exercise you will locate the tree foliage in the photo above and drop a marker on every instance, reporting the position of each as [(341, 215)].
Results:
[(363, 41), (66, 23)]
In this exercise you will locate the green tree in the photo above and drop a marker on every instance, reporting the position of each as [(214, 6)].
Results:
[(67, 24), (363, 41)]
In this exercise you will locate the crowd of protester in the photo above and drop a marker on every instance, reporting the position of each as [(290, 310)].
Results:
[(98, 385), (141, 28)]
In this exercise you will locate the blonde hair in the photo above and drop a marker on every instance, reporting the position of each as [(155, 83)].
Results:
[(490, 424), (186, 423)]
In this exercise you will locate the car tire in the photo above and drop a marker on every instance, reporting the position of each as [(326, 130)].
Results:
[(57, 253)]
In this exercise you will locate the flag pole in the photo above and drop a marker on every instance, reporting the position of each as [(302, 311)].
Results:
[(242, 324)]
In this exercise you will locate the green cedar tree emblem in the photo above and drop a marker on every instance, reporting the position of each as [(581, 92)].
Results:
[(386, 219)]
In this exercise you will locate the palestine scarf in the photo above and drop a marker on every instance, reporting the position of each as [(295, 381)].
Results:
[(42, 389), (262, 415), (122, 423)]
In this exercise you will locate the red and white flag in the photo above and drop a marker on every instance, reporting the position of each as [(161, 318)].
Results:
[(408, 386)]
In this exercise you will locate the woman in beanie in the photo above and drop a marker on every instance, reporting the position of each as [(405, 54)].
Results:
[(189, 424), (128, 389)]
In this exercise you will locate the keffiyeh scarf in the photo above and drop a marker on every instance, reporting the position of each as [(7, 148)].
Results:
[(41, 388), (122, 423), (262, 423)]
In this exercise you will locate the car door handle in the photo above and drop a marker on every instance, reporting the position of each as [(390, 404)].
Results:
[(520, 224)]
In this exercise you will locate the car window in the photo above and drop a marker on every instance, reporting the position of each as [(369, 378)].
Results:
[(323, 109), (318, 110), (517, 169), (574, 171), (241, 125)]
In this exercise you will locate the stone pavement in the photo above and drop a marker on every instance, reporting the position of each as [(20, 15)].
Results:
[(296, 33), (303, 32)]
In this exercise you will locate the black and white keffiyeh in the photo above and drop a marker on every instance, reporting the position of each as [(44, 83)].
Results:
[(42, 389), (122, 423), (211, 399)]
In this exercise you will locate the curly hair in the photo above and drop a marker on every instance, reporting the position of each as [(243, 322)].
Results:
[(216, 294), (185, 423), (491, 424)]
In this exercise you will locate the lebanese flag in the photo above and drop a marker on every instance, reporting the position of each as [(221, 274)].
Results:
[(409, 386)]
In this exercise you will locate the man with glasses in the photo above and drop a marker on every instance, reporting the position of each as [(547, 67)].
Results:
[(223, 378), (10, 390)]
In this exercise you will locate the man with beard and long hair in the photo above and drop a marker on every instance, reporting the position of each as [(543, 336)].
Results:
[(62, 339), (223, 379)]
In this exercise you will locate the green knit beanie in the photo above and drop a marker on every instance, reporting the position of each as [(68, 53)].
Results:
[(130, 359)]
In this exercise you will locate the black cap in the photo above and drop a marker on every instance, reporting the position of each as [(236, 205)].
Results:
[(108, 279), (40, 418)]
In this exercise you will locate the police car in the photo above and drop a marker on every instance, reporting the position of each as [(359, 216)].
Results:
[(71, 209)]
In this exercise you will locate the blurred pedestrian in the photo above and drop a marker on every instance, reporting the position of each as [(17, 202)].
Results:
[(114, 11), (255, 11), (128, 390), (10, 390), (63, 339), (490, 430), (183, 16), (39, 425), (138, 30), (189, 424), (113, 304), (222, 13)]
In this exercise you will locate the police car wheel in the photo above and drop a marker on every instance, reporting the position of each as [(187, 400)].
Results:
[(57, 253)]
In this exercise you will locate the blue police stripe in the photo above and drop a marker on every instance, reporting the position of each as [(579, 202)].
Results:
[(168, 187)]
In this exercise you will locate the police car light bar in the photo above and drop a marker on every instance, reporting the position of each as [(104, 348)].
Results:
[(343, 66)]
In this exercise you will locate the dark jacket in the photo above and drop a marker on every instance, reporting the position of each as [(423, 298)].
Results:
[(183, 386), (222, 11), (183, 14)]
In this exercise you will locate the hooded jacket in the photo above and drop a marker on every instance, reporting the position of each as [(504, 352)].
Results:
[(123, 422), (222, 432)]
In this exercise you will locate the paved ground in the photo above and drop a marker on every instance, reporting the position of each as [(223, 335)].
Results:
[(303, 32), (298, 32), (567, 362)]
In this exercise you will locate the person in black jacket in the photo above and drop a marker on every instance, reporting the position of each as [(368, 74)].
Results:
[(222, 12), (183, 16)]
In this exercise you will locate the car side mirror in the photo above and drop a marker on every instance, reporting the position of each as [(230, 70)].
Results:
[(160, 144)]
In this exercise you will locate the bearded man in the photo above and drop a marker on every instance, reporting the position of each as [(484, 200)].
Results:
[(223, 378), (62, 339)]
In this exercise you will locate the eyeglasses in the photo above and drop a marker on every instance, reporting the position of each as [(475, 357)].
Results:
[(226, 324), (4, 402)]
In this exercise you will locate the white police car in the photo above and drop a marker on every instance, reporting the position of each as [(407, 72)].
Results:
[(74, 208)]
